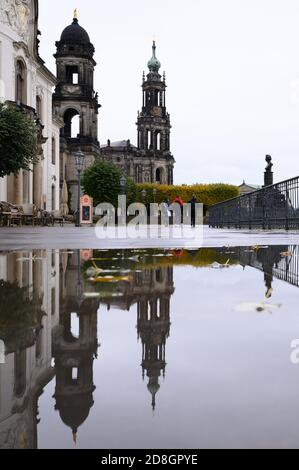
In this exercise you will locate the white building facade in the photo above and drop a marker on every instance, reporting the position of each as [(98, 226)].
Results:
[(24, 79)]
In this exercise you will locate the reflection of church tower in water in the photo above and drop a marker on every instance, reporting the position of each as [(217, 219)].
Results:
[(153, 323), (75, 347)]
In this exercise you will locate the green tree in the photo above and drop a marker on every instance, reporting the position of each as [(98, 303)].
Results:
[(101, 181), (18, 140)]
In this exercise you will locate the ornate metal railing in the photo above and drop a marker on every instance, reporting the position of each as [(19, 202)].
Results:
[(272, 207)]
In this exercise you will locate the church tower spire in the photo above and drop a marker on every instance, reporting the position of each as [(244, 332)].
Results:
[(154, 124), (75, 101)]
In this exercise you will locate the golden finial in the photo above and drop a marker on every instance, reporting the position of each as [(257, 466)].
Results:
[(76, 13)]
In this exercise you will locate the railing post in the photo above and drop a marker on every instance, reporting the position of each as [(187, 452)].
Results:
[(264, 210), (250, 212), (239, 213), (287, 227)]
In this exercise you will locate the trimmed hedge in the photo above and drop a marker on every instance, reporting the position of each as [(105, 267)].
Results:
[(207, 194)]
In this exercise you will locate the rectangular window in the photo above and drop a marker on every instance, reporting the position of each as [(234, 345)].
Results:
[(53, 301), (75, 373), (72, 74), (53, 151)]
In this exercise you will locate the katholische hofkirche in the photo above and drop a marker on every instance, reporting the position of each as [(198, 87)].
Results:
[(150, 161)]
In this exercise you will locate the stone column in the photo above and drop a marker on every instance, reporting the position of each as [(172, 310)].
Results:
[(37, 192), (18, 198)]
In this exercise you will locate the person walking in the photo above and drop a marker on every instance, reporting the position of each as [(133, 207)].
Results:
[(179, 200), (165, 212), (193, 203)]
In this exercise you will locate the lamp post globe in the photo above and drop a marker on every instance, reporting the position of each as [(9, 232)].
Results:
[(79, 163), (79, 160)]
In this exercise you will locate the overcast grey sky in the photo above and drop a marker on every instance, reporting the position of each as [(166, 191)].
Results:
[(232, 70)]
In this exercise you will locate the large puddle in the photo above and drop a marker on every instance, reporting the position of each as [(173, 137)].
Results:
[(149, 348)]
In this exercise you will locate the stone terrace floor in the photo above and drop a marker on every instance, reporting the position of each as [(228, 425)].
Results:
[(70, 237)]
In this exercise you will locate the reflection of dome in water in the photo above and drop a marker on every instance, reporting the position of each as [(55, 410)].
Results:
[(74, 410)]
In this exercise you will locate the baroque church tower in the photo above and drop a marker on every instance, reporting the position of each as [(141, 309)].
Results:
[(151, 161), (154, 124), (75, 99)]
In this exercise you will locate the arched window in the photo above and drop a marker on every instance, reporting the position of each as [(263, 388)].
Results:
[(53, 151), (158, 141), (158, 175), (72, 123), (21, 82)]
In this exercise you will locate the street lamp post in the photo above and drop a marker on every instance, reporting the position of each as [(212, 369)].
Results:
[(154, 195), (143, 194), (79, 161), (123, 206), (123, 185)]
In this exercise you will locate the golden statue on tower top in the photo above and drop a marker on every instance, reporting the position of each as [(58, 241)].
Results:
[(76, 13)]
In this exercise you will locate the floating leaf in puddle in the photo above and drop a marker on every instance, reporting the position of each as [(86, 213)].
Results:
[(220, 266), (33, 258), (93, 271), (111, 279), (116, 271), (91, 295), (257, 307), (256, 247), (109, 295), (135, 258)]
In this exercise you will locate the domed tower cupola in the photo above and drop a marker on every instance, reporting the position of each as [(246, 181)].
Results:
[(75, 39), (154, 64)]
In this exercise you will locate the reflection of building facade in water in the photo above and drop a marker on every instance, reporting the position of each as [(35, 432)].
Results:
[(281, 262), (74, 346), (66, 329), (27, 367)]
